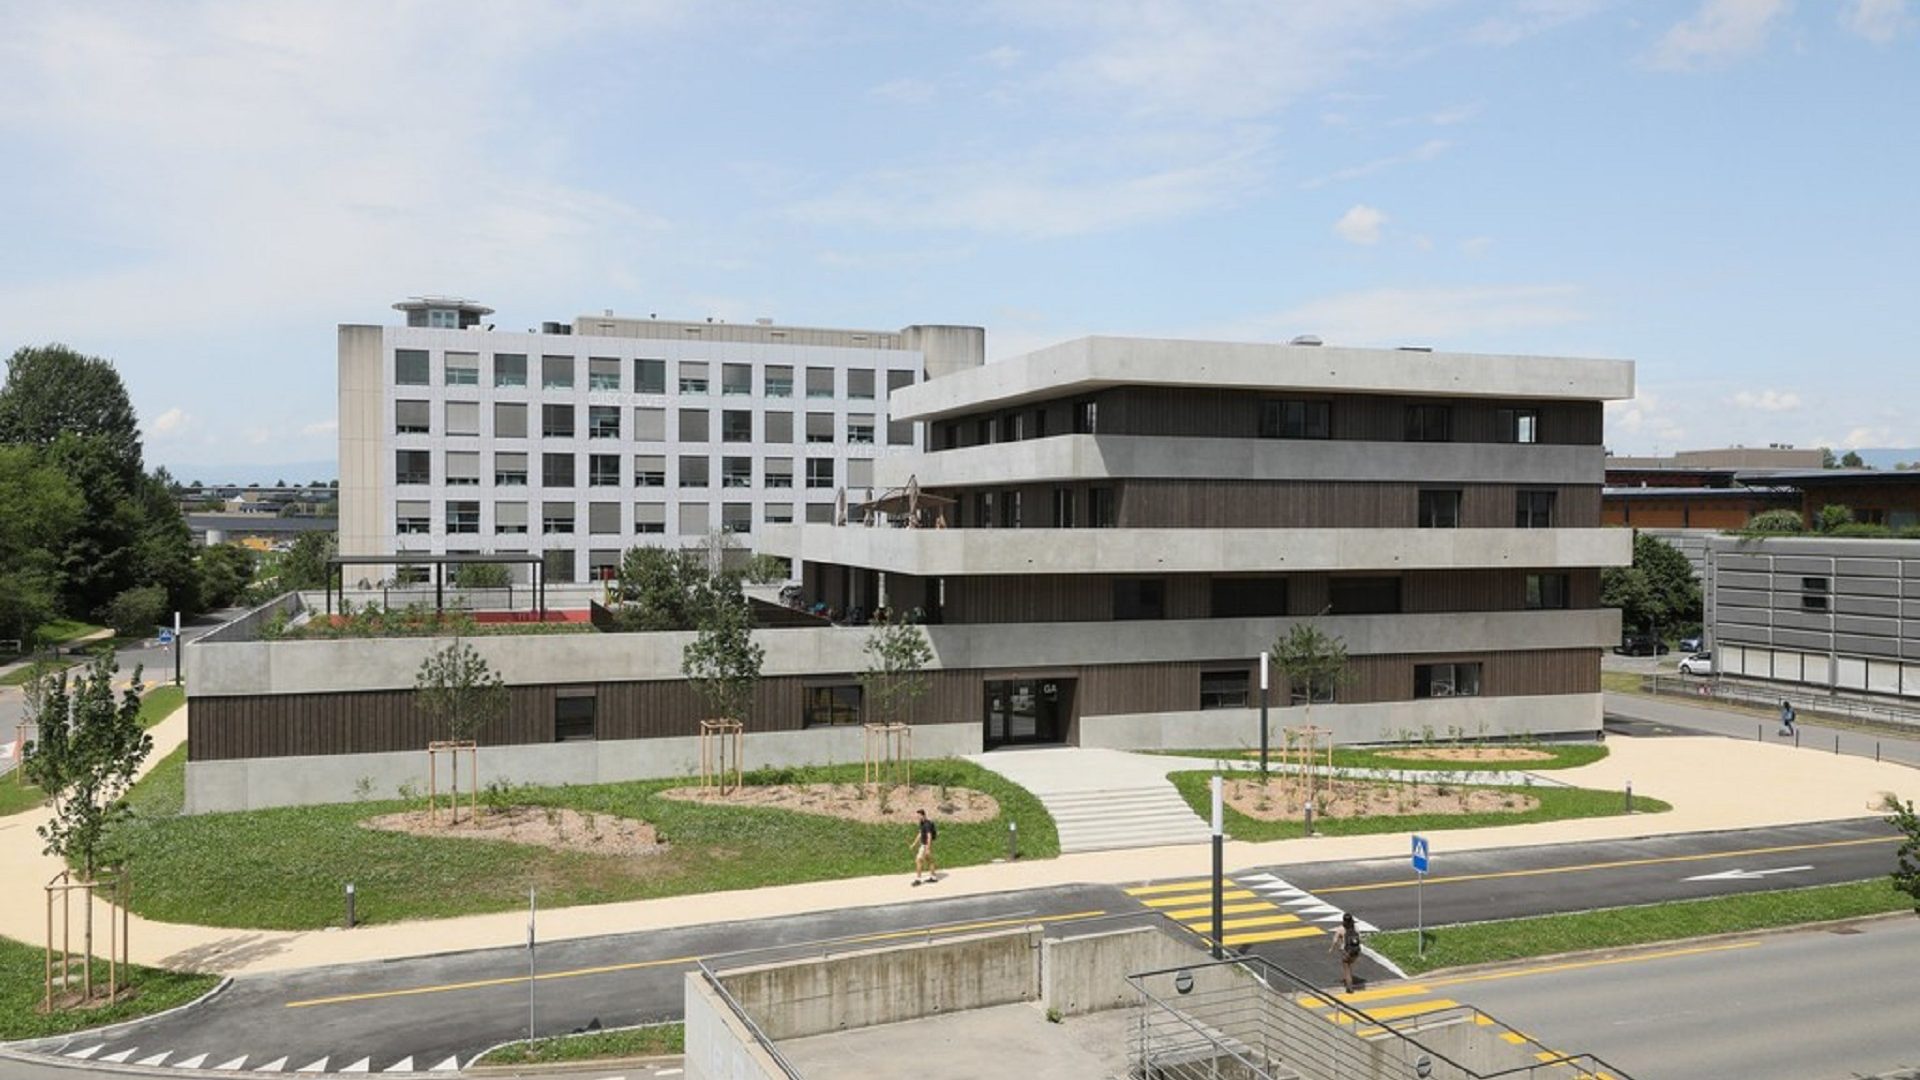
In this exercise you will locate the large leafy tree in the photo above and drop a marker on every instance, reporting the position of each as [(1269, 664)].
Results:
[(1906, 871), (53, 390), (661, 589), (304, 566), (1658, 590), (225, 572), (723, 661), (39, 510)]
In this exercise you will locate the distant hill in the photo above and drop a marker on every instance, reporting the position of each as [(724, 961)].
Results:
[(1888, 457), (293, 472)]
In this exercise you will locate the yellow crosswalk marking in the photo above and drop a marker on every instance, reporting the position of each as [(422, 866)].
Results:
[(1185, 914), (1196, 898), (1513, 1037), (1176, 886), (1258, 920), (1396, 1012), (1360, 996), (1273, 935)]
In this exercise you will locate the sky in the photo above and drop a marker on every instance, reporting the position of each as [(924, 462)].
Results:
[(1723, 191)]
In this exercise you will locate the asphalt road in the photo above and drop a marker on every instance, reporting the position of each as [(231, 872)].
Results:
[(1637, 714), (432, 1012), (1811, 1005)]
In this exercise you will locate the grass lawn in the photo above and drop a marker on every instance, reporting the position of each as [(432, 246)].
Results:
[(1565, 756), (1556, 804), (155, 707), (1519, 939), (653, 1041), (16, 797), (160, 703), (22, 989), (61, 631), (285, 868), (1622, 682), (27, 674)]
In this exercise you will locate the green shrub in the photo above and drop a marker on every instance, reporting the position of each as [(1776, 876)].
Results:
[(136, 612)]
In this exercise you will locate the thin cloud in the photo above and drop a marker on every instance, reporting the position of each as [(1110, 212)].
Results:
[(1400, 316), (1879, 21), (1360, 225), (1721, 31), (172, 423), (1767, 400), (1426, 151), (321, 427), (1527, 18), (908, 91)]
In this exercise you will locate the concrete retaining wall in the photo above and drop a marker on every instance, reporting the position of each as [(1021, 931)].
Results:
[(256, 783), (1089, 973), (1559, 715), (884, 986), (719, 1046)]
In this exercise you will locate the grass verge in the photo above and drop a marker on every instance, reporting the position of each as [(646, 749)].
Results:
[(1556, 804), (160, 703), (22, 989), (16, 797), (1547, 935), (170, 790), (1622, 682), (25, 675), (651, 1041), (61, 631), (1563, 756), (285, 868)]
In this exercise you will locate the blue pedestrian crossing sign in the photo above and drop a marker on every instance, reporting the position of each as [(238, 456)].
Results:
[(1419, 854), (165, 638)]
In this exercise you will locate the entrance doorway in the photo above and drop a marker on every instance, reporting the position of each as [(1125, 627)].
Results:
[(1026, 712)]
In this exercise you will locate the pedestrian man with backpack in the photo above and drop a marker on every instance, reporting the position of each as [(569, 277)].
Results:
[(1786, 717), (1346, 941), (923, 850)]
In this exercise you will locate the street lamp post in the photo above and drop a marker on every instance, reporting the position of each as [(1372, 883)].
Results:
[(1265, 660)]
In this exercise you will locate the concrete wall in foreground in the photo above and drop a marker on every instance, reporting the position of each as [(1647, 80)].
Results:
[(1088, 973), (719, 1046), (256, 783), (1555, 715)]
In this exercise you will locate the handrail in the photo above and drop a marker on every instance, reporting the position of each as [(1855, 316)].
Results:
[(752, 1026)]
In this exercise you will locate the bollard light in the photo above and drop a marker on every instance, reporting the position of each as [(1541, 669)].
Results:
[(1629, 796), (349, 905), (1309, 817), (1013, 840)]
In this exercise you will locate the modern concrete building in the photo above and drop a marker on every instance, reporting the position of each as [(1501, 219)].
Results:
[(1133, 521), (1122, 525), (583, 439), (1825, 614)]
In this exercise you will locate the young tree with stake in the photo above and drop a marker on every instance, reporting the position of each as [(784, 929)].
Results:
[(458, 690)]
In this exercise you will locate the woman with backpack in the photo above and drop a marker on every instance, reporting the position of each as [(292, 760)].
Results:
[(1346, 941)]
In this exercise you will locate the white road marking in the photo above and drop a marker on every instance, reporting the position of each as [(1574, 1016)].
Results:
[(405, 1064), (314, 1067), (193, 1062), (452, 1064), (234, 1065), (669, 1072), (88, 1052), (156, 1059), (358, 1066), (122, 1056), (1746, 875), (278, 1064)]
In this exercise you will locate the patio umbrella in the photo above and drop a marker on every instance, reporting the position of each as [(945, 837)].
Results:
[(913, 502), (840, 506)]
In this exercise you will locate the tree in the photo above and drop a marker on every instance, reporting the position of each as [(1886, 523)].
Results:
[(723, 661), (53, 390), (1906, 874), (305, 564), (897, 656), (659, 589), (86, 751), (458, 691), (1827, 460), (163, 546), (482, 576), (1833, 517), (1658, 590), (1775, 521), (39, 510), (225, 571), (1852, 460), (137, 611), (1310, 662)]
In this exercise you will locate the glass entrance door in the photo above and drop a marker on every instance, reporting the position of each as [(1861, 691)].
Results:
[(1027, 711)]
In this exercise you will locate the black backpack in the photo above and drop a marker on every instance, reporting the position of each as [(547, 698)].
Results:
[(1353, 943)]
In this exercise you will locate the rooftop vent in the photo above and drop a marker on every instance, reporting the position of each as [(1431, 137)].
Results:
[(1416, 348), (763, 321), (1306, 339)]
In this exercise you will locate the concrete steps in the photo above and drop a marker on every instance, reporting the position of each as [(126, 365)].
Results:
[(1129, 817)]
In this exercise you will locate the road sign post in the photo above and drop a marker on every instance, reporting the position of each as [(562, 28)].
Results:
[(532, 907), (1219, 874), (1420, 863)]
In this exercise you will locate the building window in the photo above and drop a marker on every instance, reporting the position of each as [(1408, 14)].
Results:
[(510, 518), (778, 472), (509, 419), (1086, 417), (736, 380), (736, 426), (411, 418), (410, 368), (1533, 510), (693, 425), (556, 470), (778, 513), (603, 373), (1439, 510), (693, 471), (1814, 593), (778, 381), (819, 513), (1223, 690), (1446, 680), (573, 713), (603, 519), (829, 706), (860, 429), (1010, 517), (649, 376), (1299, 693), (1248, 598), (413, 467), (899, 433), (1517, 425), (509, 369), (859, 472), (603, 564), (463, 517), (1103, 510), (556, 373), (819, 427), (693, 519), (860, 384), (463, 369), (819, 382), (1039, 424), (603, 421), (442, 319), (557, 564), (650, 470), (693, 376), (463, 418), (649, 425), (736, 517), (463, 468), (650, 518), (1281, 419), (736, 472), (556, 421), (1139, 598), (1363, 596), (1546, 591), (556, 518), (1429, 423), (1063, 503), (509, 470), (777, 427), (819, 472), (412, 518), (1017, 427), (603, 470), (983, 510)]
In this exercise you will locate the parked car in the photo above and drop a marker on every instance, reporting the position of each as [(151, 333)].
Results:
[(1700, 663), (1641, 645), (1692, 644)]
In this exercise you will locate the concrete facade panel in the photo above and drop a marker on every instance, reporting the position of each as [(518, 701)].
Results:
[(1866, 605), (1802, 639), (1866, 644), (1811, 565), (1867, 567), (1560, 715)]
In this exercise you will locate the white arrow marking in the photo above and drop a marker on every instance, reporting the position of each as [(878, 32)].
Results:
[(1747, 875), (1258, 877), (155, 1059), (193, 1062), (358, 1066), (314, 1067), (234, 1065), (88, 1052), (449, 1065), (122, 1056), (276, 1065), (405, 1064)]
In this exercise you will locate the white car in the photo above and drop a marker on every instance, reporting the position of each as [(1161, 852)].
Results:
[(1700, 663)]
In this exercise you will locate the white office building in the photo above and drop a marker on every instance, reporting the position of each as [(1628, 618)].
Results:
[(580, 440)]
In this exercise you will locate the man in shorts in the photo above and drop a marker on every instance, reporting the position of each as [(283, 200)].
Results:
[(923, 849)]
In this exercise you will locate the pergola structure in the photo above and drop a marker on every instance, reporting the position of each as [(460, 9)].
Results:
[(336, 567)]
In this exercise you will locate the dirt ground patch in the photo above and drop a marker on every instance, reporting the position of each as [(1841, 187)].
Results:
[(549, 827), (875, 805), (1279, 801), (1467, 753)]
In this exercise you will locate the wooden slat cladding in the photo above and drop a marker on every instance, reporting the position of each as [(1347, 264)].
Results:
[(1235, 414), (1276, 504)]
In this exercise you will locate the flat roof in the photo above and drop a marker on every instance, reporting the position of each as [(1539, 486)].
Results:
[(1818, 477)]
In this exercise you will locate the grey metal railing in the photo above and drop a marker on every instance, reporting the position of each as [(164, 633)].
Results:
[(1770, 695), (747, 1021)]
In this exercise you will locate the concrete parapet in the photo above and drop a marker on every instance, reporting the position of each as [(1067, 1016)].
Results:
[(1088, 973), (718, 1044)]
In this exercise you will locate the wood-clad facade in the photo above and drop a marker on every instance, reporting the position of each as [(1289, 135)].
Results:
[(1256, 504)]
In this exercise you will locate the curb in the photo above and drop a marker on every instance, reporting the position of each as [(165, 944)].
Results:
[(18, 1045)]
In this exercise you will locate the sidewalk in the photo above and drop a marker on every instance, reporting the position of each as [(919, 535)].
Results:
[(1713, 784)]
